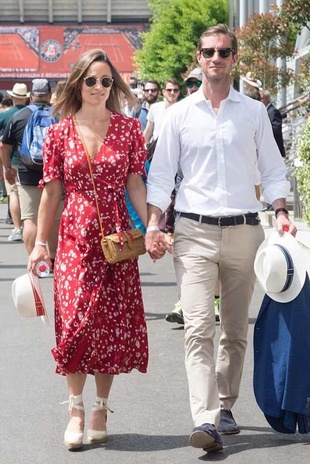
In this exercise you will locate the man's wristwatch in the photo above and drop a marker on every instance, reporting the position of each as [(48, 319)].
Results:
[(279, 210)]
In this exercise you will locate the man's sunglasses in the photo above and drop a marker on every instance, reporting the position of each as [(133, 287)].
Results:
[(91, 81), (223, 52), (191, 84), (172, 90), (150, 90)]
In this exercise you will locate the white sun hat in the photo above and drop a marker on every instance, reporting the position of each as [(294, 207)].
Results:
[(280, 267), (249, 79), (28, 298), (19, 91)]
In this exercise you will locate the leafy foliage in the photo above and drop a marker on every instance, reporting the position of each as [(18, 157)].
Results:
[(296, 12), (264, 39), (302, 172), (176, 25)]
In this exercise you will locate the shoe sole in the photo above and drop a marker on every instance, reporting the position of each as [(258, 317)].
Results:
[(174, 318), (96, 440), (74, 446), (213, 449), (229, 432), (203, 440)]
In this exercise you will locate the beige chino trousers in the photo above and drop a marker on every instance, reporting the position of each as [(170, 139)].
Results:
[(204, 254)]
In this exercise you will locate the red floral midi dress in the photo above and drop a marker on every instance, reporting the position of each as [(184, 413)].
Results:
[(99, 315)]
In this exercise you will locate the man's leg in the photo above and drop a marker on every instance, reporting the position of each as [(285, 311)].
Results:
[(196, 254), (29, 197), (236, 267)]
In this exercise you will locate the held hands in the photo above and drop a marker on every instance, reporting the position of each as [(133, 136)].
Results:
[(157, 243)]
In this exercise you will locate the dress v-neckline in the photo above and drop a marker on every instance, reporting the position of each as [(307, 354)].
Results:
[(83, 141)]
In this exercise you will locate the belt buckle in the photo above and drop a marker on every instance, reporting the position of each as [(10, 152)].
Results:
[(219, 221)]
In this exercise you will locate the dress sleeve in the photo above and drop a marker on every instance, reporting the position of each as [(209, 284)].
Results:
[(137, 151), (53, 154)]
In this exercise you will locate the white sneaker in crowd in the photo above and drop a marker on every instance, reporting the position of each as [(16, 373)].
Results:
[(16, 236)]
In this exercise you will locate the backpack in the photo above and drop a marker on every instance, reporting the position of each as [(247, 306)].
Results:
[(34, 135)]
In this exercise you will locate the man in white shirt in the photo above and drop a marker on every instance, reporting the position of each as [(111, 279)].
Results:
[(157, 113), (218, 136)]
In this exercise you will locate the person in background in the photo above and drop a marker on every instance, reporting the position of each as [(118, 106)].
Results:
[(250, 82), (58, 91), (275, 119), (151, 93), (6, 104), (253, 92), (133, 82), (19, 96), (130, 108), (193, 81), (218, 137), (96, 152), (157, 113), (27, 178)]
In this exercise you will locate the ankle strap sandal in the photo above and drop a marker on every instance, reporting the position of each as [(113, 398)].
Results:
[(99, 436)]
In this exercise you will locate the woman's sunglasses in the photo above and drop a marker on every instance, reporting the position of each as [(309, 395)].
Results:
[(91, 81), (223, 52)]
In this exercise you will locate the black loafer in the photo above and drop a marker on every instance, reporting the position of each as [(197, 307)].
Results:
[(206, 437), (227, 424)]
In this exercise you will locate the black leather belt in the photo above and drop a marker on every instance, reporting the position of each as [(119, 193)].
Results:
[(251, 219)]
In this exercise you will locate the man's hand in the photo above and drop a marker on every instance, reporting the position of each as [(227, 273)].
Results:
[(157, 243), (10, 175)]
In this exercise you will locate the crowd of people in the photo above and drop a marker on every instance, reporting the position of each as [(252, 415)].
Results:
[(208, 148)]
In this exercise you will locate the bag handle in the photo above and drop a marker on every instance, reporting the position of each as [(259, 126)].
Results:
[(91, 171)]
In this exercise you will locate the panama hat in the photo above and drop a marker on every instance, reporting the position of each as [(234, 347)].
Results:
[(280, 267), (249, 79), (19, 91), (27, 296)]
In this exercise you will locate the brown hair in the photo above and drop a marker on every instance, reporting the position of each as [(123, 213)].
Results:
[(172, 81), (219, 29), (70, 100), (58, 91)]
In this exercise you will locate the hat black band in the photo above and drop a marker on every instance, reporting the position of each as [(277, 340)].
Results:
[(19, 95), (290, 268)]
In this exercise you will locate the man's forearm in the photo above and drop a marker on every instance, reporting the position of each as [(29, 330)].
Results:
[(5, 155)]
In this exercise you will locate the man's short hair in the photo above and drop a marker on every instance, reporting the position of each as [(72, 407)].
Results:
[(219, 29)]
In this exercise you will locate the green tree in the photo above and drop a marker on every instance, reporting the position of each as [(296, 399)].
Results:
[(176, 25), (263, 39), (296, 12)]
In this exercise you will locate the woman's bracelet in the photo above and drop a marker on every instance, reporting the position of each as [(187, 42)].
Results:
[(37, 242), (152, 228)]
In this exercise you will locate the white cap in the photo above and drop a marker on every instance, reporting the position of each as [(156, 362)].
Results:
[(195, 74)]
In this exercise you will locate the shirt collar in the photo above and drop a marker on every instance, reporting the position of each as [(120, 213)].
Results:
[(233, 95)]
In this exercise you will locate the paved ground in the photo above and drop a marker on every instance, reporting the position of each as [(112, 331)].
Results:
[(151, 422)]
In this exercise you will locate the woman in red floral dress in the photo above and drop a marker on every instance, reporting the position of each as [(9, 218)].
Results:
[(99, 316)]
